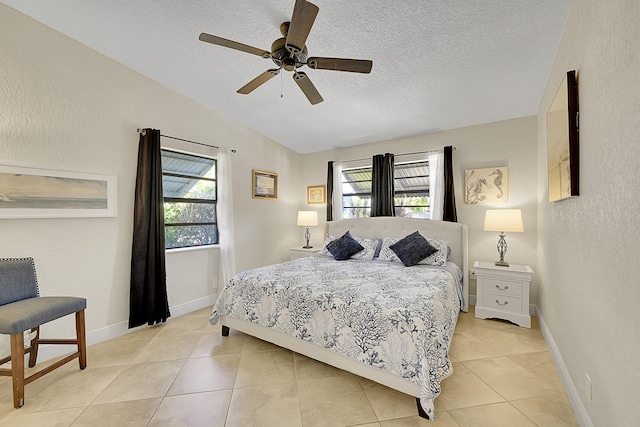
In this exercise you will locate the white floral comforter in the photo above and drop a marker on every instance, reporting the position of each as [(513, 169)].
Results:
[(396, 318)]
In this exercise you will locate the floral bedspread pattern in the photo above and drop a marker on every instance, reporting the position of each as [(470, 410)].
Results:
[(396, 318)]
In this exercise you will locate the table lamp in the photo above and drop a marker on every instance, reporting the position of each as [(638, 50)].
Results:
[(503, 220), (307, 219)]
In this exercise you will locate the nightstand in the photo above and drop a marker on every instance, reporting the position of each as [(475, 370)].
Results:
[(300, 252), (503, 292)]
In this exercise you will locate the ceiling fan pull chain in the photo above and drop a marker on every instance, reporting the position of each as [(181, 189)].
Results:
[(281, 94)]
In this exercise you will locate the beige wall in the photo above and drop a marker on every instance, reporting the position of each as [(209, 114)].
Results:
[(510, 143), (66, 107), (588, 246)]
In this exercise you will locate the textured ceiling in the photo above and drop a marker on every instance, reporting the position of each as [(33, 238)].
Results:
[(436, 64)]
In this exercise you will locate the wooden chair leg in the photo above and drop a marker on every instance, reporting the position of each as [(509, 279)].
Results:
[(33, 356), (17, 369), (81, 338)]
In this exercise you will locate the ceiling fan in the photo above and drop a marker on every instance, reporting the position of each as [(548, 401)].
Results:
[(290, 53)]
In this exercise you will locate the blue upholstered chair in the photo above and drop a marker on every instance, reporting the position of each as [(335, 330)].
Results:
[(22, 309)]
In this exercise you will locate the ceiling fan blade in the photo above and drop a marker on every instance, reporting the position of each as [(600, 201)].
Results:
[(233, 45), (340, 64), (258, 81), (307, 87), (304, 14)]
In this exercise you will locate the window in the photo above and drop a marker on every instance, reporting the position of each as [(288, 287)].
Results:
[(356, 192), (411, 184), (190, 195)]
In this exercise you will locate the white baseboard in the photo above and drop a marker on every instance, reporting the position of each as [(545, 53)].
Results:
[(46, 352), (579, 410), (191, 306)]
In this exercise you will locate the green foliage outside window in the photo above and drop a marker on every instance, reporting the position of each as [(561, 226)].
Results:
[(413, 207), (190, 193)]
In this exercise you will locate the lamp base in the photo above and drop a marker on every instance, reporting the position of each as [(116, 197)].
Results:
[(307, 236), (502, 250)]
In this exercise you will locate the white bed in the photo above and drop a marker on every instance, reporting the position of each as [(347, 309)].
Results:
[(373, 228)]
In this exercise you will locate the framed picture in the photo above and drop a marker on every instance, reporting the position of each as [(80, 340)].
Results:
[(486, 185), (316, 194), (45, 193), (265, 185), (562, 141)]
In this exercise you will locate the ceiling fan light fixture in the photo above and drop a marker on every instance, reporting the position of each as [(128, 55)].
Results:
[(283, 58)]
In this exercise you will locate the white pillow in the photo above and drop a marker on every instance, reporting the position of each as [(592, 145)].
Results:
[(439, 258), (367, 254)]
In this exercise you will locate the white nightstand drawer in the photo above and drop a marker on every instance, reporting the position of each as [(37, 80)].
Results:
[(502, 287), (503, 302)]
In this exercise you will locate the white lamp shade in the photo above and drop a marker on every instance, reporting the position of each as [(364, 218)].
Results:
[(307, 218), (503, 220)]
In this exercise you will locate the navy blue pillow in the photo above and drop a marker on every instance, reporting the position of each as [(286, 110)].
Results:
[(344, 247), (412, 249)]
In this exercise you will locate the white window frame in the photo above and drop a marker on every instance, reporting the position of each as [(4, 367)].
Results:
[(344, 213), (172, 199)]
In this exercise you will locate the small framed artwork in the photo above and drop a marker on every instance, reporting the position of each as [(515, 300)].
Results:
[(486, 185), (264, 185), (316, 194), (46, 193)]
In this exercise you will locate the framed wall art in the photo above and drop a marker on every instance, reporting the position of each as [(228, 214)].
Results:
[(316, 194), (562, 141), (46, 193), (486, 185), (264, 185)]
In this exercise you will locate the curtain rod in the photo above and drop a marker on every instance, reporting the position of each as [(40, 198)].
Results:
[(403, 154), (186, 140)]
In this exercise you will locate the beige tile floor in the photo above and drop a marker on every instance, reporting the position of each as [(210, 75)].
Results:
[(184, 373)]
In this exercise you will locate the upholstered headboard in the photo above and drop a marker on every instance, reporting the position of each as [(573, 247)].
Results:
[(454, 233)]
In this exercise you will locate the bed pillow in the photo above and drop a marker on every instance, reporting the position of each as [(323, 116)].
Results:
[(328, 239), (371, 247), (439, 258), (344, 247), (412, 249)]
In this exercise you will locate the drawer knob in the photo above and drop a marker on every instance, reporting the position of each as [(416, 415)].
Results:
[(502, 303), (503, 288)]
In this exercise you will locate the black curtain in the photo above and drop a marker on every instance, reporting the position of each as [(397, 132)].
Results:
[(330, 191), (382, 191), (148, 293), (449, 208)]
